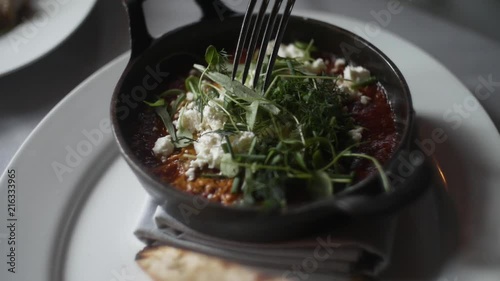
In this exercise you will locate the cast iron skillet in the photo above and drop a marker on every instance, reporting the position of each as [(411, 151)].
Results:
[(175, 52)]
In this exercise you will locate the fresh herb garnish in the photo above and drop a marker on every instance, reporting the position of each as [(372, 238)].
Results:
[(368, 82), (302, 142)]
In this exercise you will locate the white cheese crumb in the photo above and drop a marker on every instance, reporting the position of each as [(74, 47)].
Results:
[(291, 51), (191, 174), (189, 120), (345, 86), (356, 74), (189, 96), (356, 134), (213, 118), (164, 147), (339, 63), (242, 141), (270, 47), (365, 100), (317, 67), (208, 151), (286, 51)]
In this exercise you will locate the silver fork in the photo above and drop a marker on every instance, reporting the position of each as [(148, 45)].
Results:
[(253, 38)]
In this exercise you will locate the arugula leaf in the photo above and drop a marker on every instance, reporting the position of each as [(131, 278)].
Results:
[(192, 83), (251, 114), (320, 185), (212, 55), (171, 92), (167, 120), (159, 102), (216, 61), (362, 84), (238, 89)]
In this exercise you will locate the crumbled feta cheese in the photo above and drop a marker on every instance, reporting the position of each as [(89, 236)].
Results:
[(208, 151), (191, 174), (339, 63), (356, 134), (213, 118), (270, 47), (356, 74), (189, 96), (353, 94), (208, 144), (228, 167), (286, 51), (250, 78), (317, 67), (242, 141), (164, 147), (291, 51), (189, 120), (365, 100)]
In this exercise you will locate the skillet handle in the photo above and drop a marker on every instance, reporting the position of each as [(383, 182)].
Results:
[(214, 9), (359, 205), (141, 39), (139, 34)]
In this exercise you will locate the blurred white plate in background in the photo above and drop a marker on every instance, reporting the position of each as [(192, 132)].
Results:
[(52, 22)]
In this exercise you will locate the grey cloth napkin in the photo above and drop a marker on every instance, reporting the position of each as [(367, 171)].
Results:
[(361, 248)]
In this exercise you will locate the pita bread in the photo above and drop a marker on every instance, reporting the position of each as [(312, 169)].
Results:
[(170, 264)]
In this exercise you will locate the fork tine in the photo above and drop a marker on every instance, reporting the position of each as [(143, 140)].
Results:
[(267, 35), (243, 36), (279, 38), (255, 37)]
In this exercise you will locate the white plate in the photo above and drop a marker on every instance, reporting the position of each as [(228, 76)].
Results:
[(79, 226), (53, 21)]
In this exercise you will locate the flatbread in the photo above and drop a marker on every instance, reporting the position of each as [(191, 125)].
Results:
[(170, 264)]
